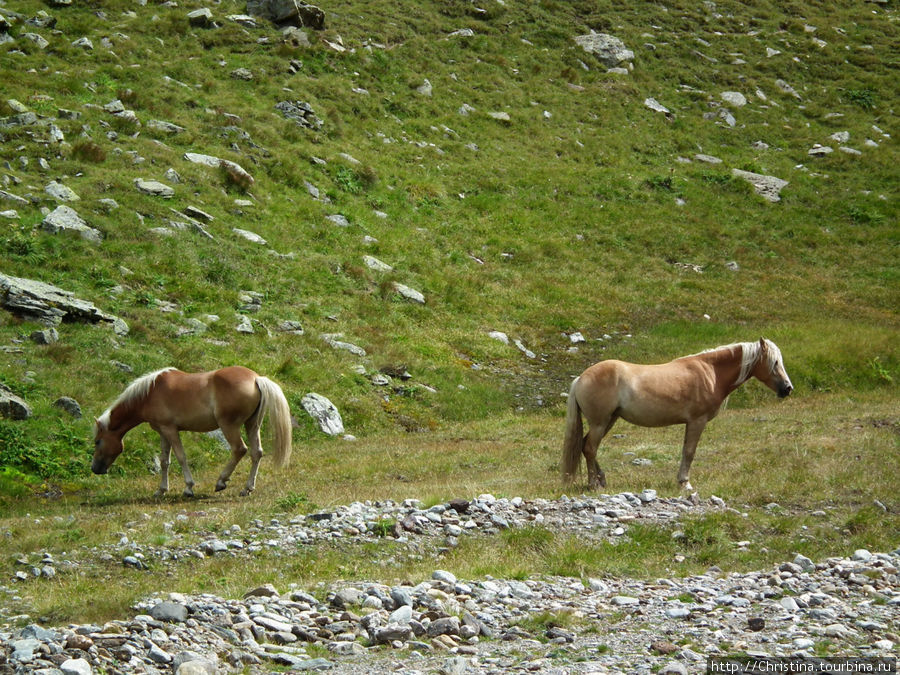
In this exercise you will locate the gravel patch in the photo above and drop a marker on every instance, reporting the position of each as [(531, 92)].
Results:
[(446, 624)]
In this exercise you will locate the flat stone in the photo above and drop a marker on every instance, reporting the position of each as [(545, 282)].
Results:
[(76, 667), (410, 293), (66, 219), (154, 188), (767, 187), (60, 192), (169, 611)]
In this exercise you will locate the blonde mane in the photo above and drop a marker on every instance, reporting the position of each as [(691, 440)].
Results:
[(750, 355), (134, 391)]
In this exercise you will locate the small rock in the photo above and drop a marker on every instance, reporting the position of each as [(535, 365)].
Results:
[(169, 611), (673, 668), (734, 98), (46, 336), (409, 293), (70, 405), (76, 667), (756, 623)]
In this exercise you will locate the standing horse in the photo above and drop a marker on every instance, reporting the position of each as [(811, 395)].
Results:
[(688, 391), (171, 401)]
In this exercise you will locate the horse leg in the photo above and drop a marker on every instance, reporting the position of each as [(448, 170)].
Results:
[(596, 477), (255, 455), (171, 435), (164, 455), (692, 431), (238, 450)]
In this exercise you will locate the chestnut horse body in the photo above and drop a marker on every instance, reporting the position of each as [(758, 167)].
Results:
[(171, 401), (689, 391)]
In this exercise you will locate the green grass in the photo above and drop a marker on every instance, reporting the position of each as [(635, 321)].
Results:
[(552, 224)]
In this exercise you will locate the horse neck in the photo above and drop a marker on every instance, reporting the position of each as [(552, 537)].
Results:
[(726, 362), (124, 417)]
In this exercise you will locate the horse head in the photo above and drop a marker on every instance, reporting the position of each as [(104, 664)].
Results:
[(107, 446), (769, 369)]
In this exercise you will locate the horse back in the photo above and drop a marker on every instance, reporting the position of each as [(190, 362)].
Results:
[(202, 401)]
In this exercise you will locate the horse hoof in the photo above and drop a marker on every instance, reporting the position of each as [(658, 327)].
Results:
[(687, 487), (246, 492), (220, 487), (188, 493), (159, 494)]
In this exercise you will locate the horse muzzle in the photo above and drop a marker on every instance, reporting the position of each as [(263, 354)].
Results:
[(785, 391), (99, 468)]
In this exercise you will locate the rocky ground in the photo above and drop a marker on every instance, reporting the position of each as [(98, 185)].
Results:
[(846, 606)]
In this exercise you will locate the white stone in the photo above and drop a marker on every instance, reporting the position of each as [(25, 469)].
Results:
[(324, 412), (656, 106), (409, 293), (374, 263), (735, 98), (76, 667), (249, 236)]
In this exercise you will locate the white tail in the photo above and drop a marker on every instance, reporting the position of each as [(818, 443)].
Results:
[(272, 401), (574, 438)]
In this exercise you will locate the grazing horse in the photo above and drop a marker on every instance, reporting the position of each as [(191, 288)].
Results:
[(688, 391), (171, 401)]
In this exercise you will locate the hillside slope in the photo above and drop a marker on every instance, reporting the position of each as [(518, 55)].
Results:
[(484, 158)]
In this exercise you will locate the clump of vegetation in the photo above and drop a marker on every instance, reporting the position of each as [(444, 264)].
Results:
[(89, 151), (864, 98)]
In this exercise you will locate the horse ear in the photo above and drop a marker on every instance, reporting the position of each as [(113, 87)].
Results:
[(762, 342)]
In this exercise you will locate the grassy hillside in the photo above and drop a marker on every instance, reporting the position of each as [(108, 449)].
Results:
[(584, 211)]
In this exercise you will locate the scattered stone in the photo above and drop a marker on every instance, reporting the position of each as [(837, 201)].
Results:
[(522, 348), (608, 49), (767, 187), (324, 412), (60, 192), (375, 264), (499, 336), (249, 236), (69, 405), (734, 98), (215, 163), (154, 188), (245, 325), (169, 611), (333, 341), (76, 667), (288, 326), (66, 219), (46, 336), (201, 18), (409, 293), (293, 12), (425, 89), (786, 88), (11, 406), (656, 106), (301, 113), (339, 220), (164, 127)]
